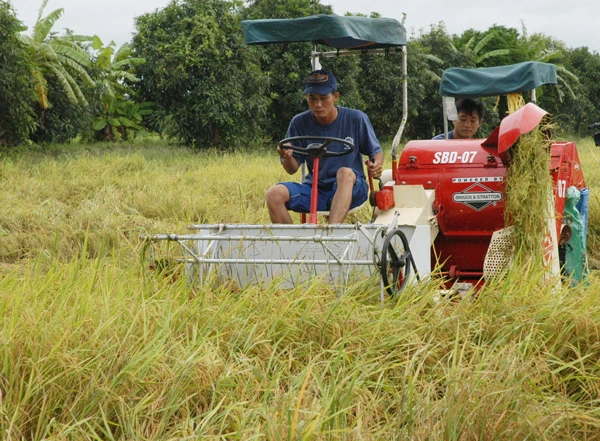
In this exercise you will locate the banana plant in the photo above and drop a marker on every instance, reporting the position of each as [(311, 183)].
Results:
[(540, 47), (121, 116), (476, 49), (58, 56), (117, 65), (121, 119)]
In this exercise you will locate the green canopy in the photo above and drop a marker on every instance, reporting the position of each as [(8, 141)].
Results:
[(332, 30), (499, 80)]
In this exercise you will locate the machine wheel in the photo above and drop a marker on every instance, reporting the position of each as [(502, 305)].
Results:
[(396, 261)]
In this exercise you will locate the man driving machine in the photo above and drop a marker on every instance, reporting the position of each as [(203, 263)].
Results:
[(342, 182)]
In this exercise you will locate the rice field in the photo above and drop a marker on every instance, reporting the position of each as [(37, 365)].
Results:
[(95, 348)]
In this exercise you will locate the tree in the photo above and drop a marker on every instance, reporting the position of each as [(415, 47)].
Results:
[(60, 79), (121, 116), (205, 83), (59, 57), (546, 49), (17, 119), (428, 56), (577, 112), (65, 120), (488, 48), (117, 66), (287, 65)]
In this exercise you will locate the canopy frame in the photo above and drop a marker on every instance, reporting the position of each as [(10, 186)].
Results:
[(531, 74), (349, 35)]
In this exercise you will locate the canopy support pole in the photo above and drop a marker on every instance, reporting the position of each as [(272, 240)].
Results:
[(396, 141), (445, 113), (315, 63)]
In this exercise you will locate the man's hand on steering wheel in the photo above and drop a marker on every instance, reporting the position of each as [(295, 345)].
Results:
[(284, 153), (316, 149)]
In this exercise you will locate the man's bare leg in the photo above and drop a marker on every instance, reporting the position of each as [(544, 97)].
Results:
[(343, 195), (277, 196)]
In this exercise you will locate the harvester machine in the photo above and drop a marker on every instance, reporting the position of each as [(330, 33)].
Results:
[(440, 206)]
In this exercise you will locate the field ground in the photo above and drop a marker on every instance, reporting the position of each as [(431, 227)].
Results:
[(93, 348)]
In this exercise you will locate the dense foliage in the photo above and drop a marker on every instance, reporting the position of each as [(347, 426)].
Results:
[(16, 96), (205, 81), (285, 65), (65, 120), (120, 115), (188, 76), (581, 108)]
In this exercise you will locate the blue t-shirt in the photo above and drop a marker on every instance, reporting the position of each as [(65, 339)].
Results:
[(350, 123), (442, 136)]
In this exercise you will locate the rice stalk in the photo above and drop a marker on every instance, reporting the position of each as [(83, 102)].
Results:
[(528, 198)]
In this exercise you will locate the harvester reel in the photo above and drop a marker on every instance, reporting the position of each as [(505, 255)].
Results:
[(317, 149), (396, 261)]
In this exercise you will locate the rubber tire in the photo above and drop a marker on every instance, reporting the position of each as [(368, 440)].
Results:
[(398, 264)]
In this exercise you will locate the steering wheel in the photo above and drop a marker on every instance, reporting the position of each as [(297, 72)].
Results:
[(317, 149)]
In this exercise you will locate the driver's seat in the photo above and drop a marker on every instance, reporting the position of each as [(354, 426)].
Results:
[(326, 213)]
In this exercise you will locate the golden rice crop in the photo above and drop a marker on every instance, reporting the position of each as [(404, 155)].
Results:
[(93, 347)]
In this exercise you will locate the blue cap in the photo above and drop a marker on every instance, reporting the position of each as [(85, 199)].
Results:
[(321, 82)]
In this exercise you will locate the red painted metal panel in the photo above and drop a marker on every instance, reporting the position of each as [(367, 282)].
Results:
[(514, 125), (469, 179), (565, 168)]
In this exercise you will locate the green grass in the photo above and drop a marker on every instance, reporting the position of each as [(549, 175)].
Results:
[(94, 348)]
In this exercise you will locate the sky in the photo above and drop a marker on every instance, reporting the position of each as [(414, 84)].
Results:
[(573, 22)]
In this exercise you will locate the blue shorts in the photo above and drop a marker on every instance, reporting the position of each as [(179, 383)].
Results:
[(300, 195)]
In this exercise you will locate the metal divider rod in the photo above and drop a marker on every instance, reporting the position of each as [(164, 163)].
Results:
[(267, 227), (354, 53), (242, 238), (274, 261)]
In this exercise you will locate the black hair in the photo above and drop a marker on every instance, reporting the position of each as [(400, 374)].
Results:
[(469, 105)]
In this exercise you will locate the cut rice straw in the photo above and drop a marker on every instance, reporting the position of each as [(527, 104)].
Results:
[(528, 197)]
